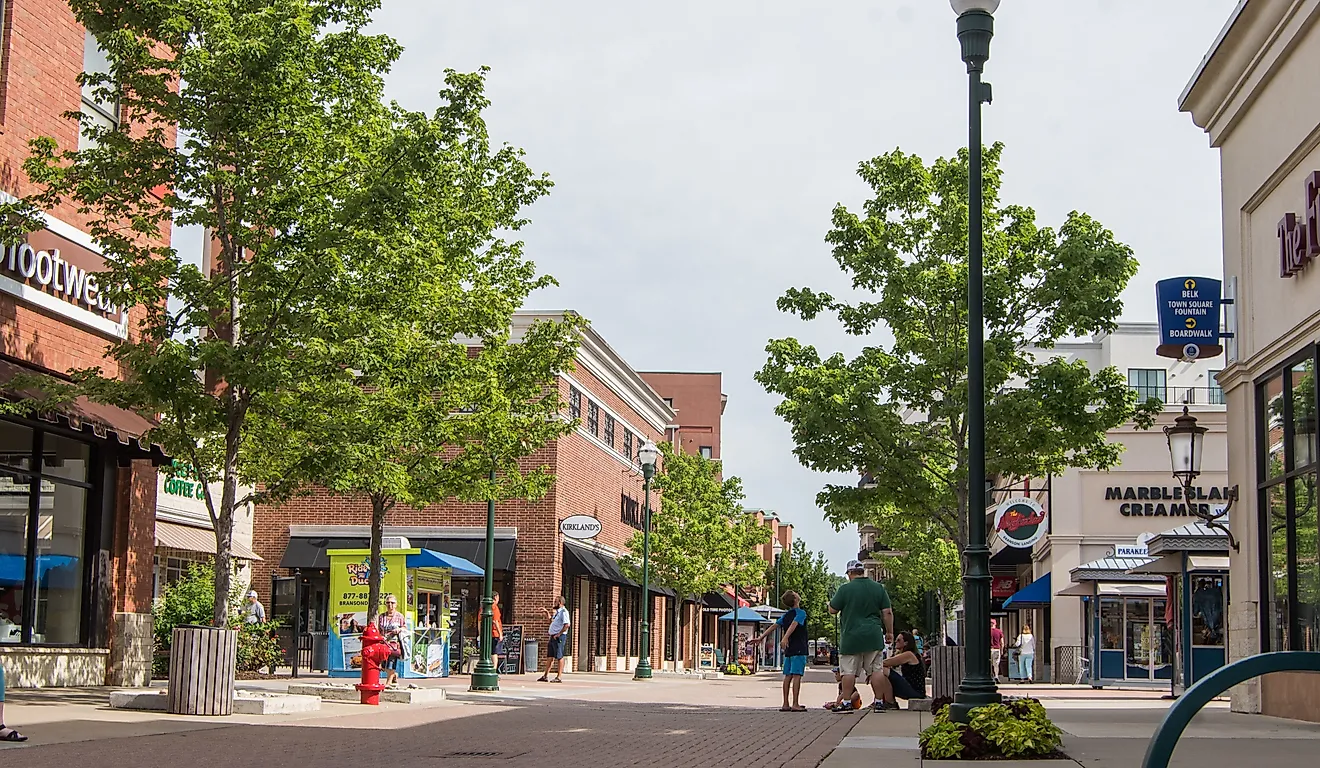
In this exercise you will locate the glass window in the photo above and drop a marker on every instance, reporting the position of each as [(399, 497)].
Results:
[(1111, 625), (628, 444), (59, 564), (574, 403), (1276, 612), (1272, 394), (15, 492), (707, 452), (1308, 564), (15, 445), (101, 108), (62, 457), (1302, 442), (1216, 393), (593, 418), (1149, 383), (1207, 596), (609, 430)]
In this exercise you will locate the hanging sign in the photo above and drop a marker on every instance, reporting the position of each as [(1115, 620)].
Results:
[(1003, 586), (1020, 522), (1189, 317), (580, 527)]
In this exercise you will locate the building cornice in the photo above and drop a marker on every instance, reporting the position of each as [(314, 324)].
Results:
[(419, 531)]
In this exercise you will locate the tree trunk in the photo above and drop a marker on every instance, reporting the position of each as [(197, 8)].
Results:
[(378, 510), (224, 520)]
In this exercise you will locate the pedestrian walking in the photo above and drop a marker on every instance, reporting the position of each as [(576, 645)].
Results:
[(866, 626), (793, 625), (254, 612), (1026, 646), (6, 733), (497, 629), (996, 647), (559, 624)]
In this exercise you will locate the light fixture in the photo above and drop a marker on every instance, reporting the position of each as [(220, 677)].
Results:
[(648, 454), (968, 6), (778, 548), (1186, 447), (1303, 442)]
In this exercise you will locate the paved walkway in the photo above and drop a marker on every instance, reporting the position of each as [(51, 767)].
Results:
[(607, 719)]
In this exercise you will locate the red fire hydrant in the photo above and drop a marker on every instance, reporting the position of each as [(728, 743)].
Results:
[(375, 652)]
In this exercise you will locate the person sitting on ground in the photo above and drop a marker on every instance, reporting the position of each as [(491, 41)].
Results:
[(904, 675), (6, 734), (838, 700)]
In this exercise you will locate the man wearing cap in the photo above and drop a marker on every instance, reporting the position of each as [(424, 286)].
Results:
[(866, 625), (253, 611)]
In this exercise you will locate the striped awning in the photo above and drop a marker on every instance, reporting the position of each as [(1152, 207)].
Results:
[(192, 539)]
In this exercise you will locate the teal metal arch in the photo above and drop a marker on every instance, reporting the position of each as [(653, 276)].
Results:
[(1160, 749)]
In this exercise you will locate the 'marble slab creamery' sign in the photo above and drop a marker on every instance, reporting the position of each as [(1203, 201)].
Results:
[(60, 276)]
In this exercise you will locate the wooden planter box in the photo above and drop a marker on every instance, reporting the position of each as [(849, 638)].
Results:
[(202, 665)]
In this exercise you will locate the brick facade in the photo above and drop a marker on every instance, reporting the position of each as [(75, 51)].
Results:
[(42, 50)]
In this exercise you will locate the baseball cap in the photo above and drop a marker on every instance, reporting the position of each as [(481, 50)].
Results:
[(253, 593), (855, 565)]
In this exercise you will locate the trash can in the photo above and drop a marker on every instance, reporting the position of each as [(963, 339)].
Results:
[(202, 664), (321, 651), (531, 654)]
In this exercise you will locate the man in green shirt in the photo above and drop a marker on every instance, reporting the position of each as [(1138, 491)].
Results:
[(866, 625)]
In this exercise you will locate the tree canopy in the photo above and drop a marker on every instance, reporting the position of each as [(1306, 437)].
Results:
[(898, 409), (808, 574)]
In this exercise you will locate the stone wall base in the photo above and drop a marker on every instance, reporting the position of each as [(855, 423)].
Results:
[(131, 648), (27, 667), (1244, 641)]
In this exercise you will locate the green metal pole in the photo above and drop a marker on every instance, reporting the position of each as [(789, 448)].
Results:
[(975, 29), (486, 677), (643, 671)]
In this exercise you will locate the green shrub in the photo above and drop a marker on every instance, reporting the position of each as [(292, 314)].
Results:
[(1017, 729), (258, 646), (191, 600)]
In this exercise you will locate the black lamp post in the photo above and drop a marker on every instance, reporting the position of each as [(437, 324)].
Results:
[(976, 26), (485, 677), (648, 454)]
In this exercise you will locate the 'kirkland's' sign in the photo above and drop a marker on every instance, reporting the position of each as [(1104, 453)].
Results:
[(1189, 316), (1144, 501)]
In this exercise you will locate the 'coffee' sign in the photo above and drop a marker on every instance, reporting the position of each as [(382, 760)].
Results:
[(48, 265), (1149, 501), (1299, 238)]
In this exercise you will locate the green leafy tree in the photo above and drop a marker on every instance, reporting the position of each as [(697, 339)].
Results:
[(898, 410), (277, 108), (929, 565), (808, 574), (701, 539)]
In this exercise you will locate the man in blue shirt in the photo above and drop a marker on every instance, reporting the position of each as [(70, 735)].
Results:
[(793, 624)]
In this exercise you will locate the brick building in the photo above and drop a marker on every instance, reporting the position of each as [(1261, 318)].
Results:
[(77, 490), (698, 402), (596, 475)]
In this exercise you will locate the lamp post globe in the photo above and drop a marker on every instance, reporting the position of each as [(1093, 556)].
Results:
[(779, 588), (1186, 447), (970, 6), (647, 455)]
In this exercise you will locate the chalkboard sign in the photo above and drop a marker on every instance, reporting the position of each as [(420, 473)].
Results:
[(513, 650)]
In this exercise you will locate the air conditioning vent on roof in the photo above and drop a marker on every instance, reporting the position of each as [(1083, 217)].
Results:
[(394, 542)]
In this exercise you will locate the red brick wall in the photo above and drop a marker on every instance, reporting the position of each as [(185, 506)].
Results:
[(699, 402), (134, 539)]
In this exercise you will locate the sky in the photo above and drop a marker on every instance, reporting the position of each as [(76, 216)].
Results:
[(698, 147)]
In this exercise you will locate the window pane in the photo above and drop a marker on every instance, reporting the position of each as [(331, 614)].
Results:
[(1276, 613), (1308, 569), (95, 62), (14, 501), (1273, 397), (1207, 595), (59, 564), (1303, 414), (1111, 626), (1148, 383), (15, 445), (65, 458), (85, 139)]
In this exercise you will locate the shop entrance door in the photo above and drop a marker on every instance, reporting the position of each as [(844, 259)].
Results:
[(1149, 646)]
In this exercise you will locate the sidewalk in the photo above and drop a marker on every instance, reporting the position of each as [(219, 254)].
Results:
[(1100, 736)]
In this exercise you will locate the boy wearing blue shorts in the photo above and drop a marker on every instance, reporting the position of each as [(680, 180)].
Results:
[(793, 623)]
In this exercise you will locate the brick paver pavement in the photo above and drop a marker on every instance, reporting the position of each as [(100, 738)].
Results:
[(546, 734)]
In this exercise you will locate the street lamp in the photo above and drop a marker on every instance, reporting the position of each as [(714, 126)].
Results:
[(485, 677), (1186, 447), (779, 589), (976, 26), (648, 454)]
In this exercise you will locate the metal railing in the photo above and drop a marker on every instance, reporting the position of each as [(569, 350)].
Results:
[(1180, 396)]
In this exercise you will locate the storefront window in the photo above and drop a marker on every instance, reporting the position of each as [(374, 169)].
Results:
[(1286, 438), (1111, 624), (1207, 596)]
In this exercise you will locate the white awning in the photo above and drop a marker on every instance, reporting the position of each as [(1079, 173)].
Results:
[(191, 539), (1127, 589), (1171, 564)]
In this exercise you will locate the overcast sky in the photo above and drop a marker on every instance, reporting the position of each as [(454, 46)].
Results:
[(698, 146)]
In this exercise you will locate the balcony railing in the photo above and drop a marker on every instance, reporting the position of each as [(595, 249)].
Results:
[(1180, 396)]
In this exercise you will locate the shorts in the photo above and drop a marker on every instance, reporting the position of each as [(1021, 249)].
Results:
[(856, 663), (499, 648), (902, 688), (795, 665), (556, 647)]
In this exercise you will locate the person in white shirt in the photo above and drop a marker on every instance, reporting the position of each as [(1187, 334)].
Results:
[(1026, 645), (254, 611), (559, 624)]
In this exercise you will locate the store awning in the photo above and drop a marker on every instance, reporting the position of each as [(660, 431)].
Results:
[(581, 561), (717, 602), (1173, 564), (1113, 569), (1193, 537), (1034, 595), (429, 558), (191, 539), (308, 552), (1126, 589), (105, 422), (746, 616)]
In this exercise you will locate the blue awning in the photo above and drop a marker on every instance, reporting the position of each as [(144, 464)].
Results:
[(1034, 595), (746, 616), (429, 558)]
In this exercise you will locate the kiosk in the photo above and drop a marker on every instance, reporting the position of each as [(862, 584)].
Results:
[(420, 579)]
